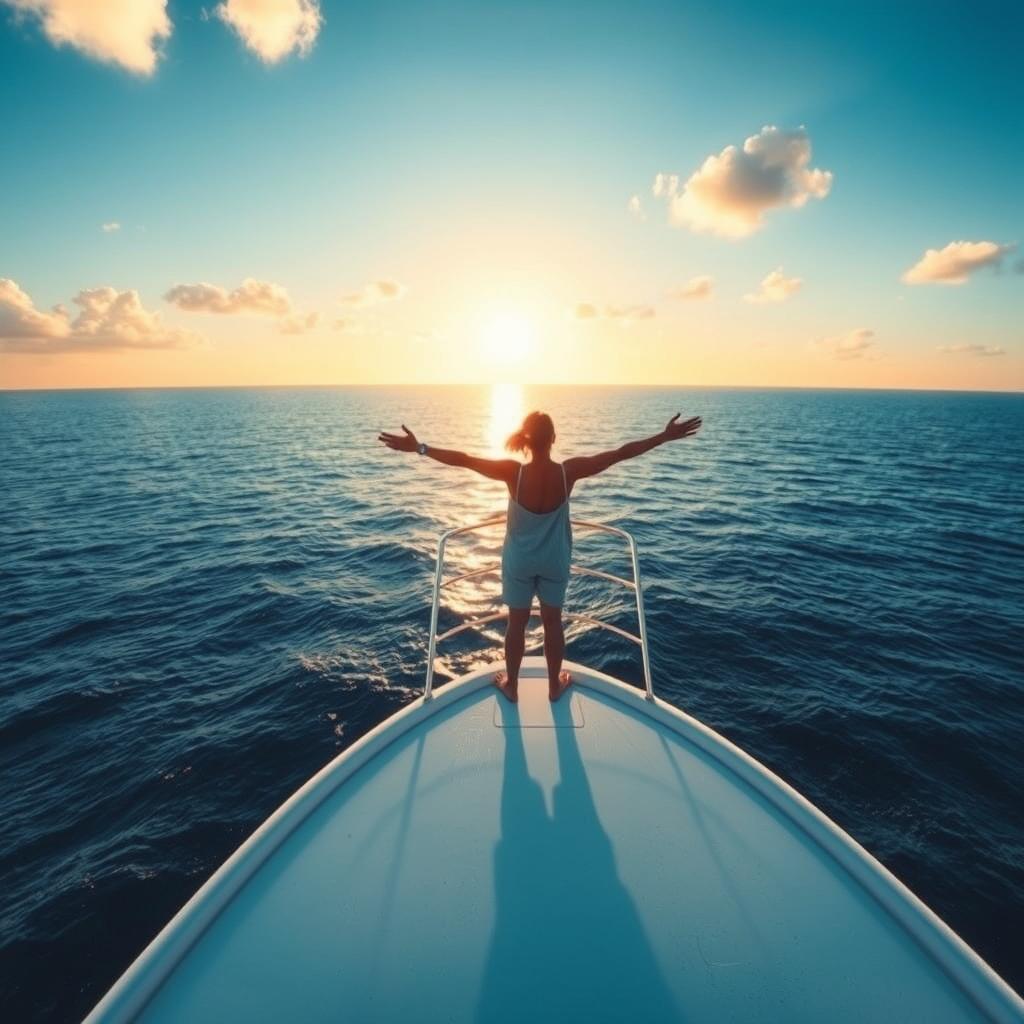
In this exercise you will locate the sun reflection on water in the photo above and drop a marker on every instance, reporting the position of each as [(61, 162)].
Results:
[(507, 411), (480, 498)]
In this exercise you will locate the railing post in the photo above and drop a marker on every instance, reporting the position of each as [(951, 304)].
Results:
[(644, 653), (432, 649)]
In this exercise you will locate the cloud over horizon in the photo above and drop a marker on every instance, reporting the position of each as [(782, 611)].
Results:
[(624, 314), (384, 290), (855, 344), (700, 287), (973, 350), (730, 193), (272, 29), (776, 287), (108, 319), (298, 323), (127, 33), (955, 262), (257, 297)]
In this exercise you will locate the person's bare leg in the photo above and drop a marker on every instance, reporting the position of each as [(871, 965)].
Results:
[(515, 644), (554, 650)]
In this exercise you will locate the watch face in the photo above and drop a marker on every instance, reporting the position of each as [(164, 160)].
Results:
[(421, 448)]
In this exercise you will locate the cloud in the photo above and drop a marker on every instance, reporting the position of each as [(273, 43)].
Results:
[(665, 186), (110, 226), (730, 193), (273, 29), (635, 208), (252, 296), (117, 319), (20, 319), (260, 298), (852, 345), (776, 287), (298, 324), (625, 314), (108, 319), (973, 350), (699, 287), (955, 263), (123, 32), (377, 291)]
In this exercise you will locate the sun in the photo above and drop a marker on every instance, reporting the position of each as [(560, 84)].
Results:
[(507, 339)]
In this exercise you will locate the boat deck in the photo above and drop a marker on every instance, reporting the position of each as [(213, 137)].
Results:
[(601, 859)]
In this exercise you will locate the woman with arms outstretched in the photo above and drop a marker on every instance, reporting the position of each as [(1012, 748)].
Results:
[(536, 554)]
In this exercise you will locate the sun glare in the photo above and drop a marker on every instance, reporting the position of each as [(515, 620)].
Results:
[(508, 339)]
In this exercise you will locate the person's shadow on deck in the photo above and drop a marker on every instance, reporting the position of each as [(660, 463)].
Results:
[(567, 943)]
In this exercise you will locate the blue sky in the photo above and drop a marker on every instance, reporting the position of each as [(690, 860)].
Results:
[(477, 152)]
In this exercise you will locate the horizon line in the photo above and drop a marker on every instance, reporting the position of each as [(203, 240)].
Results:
[(488, 384)]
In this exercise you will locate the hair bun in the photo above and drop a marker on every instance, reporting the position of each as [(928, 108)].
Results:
[(537, 433)]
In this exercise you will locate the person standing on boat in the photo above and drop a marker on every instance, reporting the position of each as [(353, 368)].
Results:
[(537, 551)]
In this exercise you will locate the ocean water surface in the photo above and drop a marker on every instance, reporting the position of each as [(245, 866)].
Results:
[(206, 595)]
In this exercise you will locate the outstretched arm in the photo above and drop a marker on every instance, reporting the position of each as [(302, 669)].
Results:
[(496, 469), (591, 465)]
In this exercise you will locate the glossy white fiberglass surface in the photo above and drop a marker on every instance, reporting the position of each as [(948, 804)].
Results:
[(580, 862)]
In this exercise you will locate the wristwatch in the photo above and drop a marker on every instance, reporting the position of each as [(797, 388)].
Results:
[(422, 448)]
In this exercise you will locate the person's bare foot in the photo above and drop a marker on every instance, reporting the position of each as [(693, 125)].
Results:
[(564, 682), (511, 690)]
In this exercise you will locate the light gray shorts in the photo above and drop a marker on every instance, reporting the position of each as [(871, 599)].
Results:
[(518, 591)]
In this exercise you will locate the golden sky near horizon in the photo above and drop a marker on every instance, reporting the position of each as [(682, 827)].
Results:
[(507, 195)]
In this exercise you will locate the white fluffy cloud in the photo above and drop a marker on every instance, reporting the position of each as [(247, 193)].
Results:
[(123, 32), (20, 319), (955, 263), (625, 314), (730, 193), (974, 350), (107, 319), (776, 287), (852, 345), (261, 298), (117, 319), (700, 287), (635, 208), (110, 226), (376, 291), (273, 29), (252, 296)]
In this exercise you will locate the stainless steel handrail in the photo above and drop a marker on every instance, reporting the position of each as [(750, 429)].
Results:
[(440, 583), (582, 570)]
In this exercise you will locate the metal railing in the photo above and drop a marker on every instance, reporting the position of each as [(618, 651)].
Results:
[(440, 583)]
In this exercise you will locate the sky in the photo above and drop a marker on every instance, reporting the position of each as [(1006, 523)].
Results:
[(280, 192)]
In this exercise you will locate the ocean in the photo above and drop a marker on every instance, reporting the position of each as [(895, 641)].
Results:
[(205, 595)]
